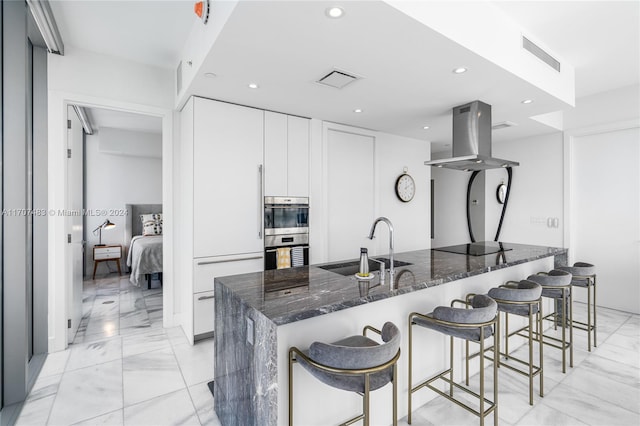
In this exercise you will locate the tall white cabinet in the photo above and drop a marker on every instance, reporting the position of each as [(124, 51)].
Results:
[(221, 184), (286, 155)]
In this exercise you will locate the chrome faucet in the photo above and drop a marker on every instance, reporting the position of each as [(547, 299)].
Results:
[(373, 230)]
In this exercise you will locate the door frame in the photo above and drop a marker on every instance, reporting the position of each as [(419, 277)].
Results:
[(58, 201)]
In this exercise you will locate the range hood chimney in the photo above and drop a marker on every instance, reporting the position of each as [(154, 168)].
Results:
[(472, 140)]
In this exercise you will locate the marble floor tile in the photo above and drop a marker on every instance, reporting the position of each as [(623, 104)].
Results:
[(107, 326), (176, 336), (54, 364), (196, 362), (618, 354), (87, 354), (621, 373), (601, 386), (87, 393), (149, 375), (172, 409), (625, 341), (149, 341), (589, 409), (203, 402), (114, 418), (44, 386), (542, 414), (35, 411)]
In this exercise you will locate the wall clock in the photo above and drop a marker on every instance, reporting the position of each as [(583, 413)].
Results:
[(405, 188)]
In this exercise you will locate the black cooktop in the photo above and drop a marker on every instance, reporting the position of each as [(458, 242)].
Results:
[(481, 248)]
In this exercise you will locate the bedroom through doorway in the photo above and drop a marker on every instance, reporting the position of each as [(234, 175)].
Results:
[(122, 222)]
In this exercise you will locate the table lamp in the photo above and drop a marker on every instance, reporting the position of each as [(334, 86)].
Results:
[(107, 224)]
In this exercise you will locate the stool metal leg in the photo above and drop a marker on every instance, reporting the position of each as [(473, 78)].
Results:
[(594, 312), (395, 394), (589, 314), (451, 368), (291, 361), (482, 376), (365, 400), (540, 346), (410, 364)]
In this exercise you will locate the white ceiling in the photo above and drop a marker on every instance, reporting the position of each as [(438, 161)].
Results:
[(285, 46)]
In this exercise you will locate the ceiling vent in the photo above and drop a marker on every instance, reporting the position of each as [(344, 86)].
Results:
[(503, 125), (536, 51), (337, 79)]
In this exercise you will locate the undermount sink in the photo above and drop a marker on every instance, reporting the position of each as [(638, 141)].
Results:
[(351, 268)]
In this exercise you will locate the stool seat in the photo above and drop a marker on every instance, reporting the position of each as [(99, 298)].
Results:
[(584, 276), (484, 310), (554, 283), (354, 352), (523, 291), (476, 324), (355, 363)]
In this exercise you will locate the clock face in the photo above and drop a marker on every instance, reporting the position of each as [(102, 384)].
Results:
[(405, 188)]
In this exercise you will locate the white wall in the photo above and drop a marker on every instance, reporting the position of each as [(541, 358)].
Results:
[(111, 181), (536, 191), (90, 79), (392, 154)]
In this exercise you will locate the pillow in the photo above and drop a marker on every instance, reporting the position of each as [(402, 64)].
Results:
[(152, 227), (150, 217)]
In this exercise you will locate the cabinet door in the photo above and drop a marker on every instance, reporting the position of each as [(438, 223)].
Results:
[(298, 156), (275, 154), (350, 193), (207, 269), (227, 174)]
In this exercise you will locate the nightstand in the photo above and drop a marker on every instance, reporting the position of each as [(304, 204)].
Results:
[(105, 254)]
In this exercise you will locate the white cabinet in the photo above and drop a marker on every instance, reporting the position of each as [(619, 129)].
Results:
[(227, 178), (205, 270), (286, 155), (219, 209)]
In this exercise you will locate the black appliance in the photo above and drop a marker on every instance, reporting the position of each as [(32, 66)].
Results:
[(476, 249)]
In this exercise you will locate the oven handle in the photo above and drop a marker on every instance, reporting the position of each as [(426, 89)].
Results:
[(274, 250), (211, 262)]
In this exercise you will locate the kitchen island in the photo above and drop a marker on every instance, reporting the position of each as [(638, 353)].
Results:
[(259, 316)]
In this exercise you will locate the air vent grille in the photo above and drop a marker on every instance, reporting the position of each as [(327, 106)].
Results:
[(503, 125), (536, 51), (337, 79)]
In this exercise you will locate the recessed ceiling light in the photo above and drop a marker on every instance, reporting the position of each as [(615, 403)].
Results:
[(439, 166), (334, 12), (527, 101), (210, 75), (459, 70), (357, 110), (253, 86), (426, 127)]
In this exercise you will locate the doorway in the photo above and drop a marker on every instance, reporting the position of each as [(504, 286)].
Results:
[(121, 167)]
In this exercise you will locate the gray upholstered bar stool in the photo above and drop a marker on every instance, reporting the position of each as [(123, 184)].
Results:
[(584, 276), (524, 299), (357, 364), (476, 325), (556, 284)]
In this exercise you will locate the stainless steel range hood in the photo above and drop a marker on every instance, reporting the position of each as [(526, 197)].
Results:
[(472, 140)]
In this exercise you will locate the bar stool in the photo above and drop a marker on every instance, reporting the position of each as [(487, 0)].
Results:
[(469, 324), (556, 284), (356, 364), (523, 299), (584, 275)]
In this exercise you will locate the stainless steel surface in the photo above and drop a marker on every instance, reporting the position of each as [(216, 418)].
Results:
[(348, 269), (284, 231), (275, 249), (235, 259), (287, 200), (472, 140), (286, 240), (382, 269), (371, 234), (363, 267)]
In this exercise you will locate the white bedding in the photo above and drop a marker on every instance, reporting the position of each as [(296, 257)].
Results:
[(145, 256)]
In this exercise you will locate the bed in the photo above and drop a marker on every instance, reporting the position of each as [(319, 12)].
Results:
[(144, 252)]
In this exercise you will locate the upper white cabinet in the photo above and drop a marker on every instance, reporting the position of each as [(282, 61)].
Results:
[(286, 155), (227, 178)]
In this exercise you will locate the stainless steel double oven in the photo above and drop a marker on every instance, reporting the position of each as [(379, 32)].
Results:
[(286, 225)]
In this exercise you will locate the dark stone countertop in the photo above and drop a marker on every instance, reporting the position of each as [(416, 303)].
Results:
[(315, 291)]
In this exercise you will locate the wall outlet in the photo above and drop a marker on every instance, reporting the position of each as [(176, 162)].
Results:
[(249, 330)]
